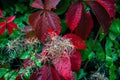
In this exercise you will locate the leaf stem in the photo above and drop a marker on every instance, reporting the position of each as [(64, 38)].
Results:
[(96, 38)]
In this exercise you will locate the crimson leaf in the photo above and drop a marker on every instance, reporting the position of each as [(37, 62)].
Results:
[(2, 27), (73, 15), (85, 25), (109, 6), (63, 66), (76, 61), (49, 4), (37, 4), (45, 73), (76, 41), (101, 14), (11, 26), (41, 23), (10, 19)]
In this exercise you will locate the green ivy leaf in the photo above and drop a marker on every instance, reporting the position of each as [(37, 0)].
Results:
[(115, 27), (91, 55), (64, 26), (112, 36), (11, 75), (108, 46), (25, 55), (82, 74), (38, 63), (112, 72), (3, 71)]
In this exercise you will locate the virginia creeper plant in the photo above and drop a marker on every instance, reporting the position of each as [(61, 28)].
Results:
[(54, 40)]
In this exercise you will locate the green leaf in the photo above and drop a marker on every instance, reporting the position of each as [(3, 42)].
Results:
[(109, 61), (64, 26), (102, 36), (38, 63), (82, 74), (3, 71), (115, 27), (25, 55), (91, 55), (15, 34), (11, 75), (108, 46), (27, 74), (100, 55), (62, 6), (112, 36), (112, 72)]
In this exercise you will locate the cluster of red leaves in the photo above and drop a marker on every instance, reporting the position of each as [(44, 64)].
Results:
[(81, 22), (9, 24), (44, 18), (64, 65)]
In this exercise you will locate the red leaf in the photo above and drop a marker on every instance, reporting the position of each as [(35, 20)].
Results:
[(10, 19), (45, 73), (19, 77), (85, 26), (109, 6), (11, 26), (2, 27), (73, 15), (101, 14), (76, 61), (76, 41), (53, 21), (63, 66), (41, 23), (49, 4), (37, 4), (41, 29), (34, 18), (1, 12)]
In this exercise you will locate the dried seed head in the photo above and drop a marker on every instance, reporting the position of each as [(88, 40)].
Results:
[(58, 46)]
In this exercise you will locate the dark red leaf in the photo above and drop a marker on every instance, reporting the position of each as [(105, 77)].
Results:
[(101, 14), (109, 6), (19, 77), (1, 12), (63, 66), (41, 29), (10, 19), (53, 21), (2, 27), (11, 26), (34, 18), (73, 15), (85, 26), (76, 41), (45, 73), (76, 61), (41, 23), (37, 4), (49, 4)]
